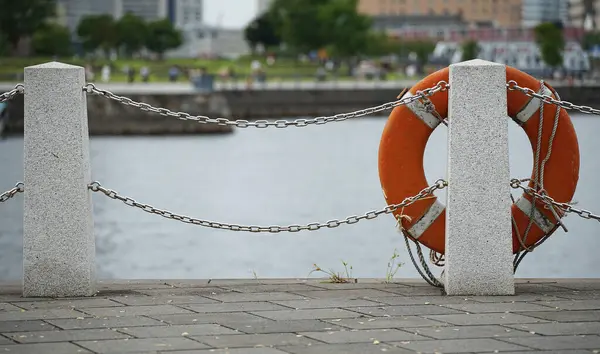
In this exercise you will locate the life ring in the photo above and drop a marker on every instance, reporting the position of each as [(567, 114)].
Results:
[(402, 148)]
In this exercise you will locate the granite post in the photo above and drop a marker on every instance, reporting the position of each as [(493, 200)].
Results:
[(58, 235), (478, 220)]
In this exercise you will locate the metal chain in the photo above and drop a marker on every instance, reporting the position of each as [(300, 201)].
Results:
[(440, 86), (513, 86), (19, 88), (439, 184), (18, 188), (565, 207)]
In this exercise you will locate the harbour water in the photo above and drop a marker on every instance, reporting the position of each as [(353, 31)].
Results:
[(275, 177)]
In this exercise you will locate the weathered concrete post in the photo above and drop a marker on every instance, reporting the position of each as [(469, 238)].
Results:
[(478, 220), (58, 235)]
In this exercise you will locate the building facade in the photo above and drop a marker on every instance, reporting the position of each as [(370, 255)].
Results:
[(496, 13), (535, 12), (584, 14)]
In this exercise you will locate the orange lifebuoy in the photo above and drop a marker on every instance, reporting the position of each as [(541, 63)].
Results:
[(402, 149)]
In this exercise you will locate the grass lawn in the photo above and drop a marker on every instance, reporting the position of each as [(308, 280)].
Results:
[(11, 69)]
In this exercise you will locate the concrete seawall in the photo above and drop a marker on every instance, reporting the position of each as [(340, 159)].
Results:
[(107, 117)]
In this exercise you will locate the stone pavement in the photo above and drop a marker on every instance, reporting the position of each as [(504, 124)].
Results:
[(303, 316)]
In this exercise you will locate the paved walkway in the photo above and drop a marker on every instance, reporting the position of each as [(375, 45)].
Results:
[(301, 317)]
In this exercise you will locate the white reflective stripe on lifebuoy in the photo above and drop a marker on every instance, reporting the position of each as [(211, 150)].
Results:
[(538, 218), (532, 106), (420, 111), (426, 220)]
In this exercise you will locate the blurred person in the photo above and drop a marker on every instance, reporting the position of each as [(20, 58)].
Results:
[(105, 73), (173, 74), (145, 73)]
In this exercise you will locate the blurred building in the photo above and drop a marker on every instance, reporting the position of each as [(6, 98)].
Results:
[(71, 11), (584, 14), (495, 13), (535, 12)]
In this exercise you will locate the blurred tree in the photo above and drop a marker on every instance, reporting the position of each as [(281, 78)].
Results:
[(98, 32), (590, 39), (262, 31), (549, 38), (131, 33), (22, 18), (3, 45), (348, 31), (162, 36), (52, 39), (422, 49), (470, 50), (298, 23)]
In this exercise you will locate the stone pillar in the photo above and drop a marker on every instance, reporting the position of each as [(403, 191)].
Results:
[(58, 234), (478, 218)]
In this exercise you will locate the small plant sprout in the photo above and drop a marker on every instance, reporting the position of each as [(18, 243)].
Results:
[(392, 267), (336, 277)]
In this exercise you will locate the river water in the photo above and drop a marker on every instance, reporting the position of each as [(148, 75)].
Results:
[(275, 177)]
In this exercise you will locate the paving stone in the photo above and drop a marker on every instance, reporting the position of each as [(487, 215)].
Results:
[(579, 295), (136, 345), (565, 316), (327, 303), (574, 304), (232, 351), (458, 346), (255, 340), (162, 300), (39, 314), (552, 352), (468, 332), (556, 328), (354, 348), (498, 307), (205, 329), (24, 326), (65, 336), (245, 297), (106, 322), (359, 285), (579, 284), (184, 291), (344, 294), (131, 284), (4, 307), (367, 336), (198, 318), (308, 314), (526, 297), (268, 326), (558, 342), (424, 300), (416, 291), (235, 307), (45, 348), (68, 304), (484, 318), (5, 341), (542, 288), (262, 288), (385, 322), (135, 310), (405, 310)]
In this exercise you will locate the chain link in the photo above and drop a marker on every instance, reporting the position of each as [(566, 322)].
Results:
[(513, 86), (441, 86), (97, 187), (18, 188), (565, 207), (19, 88)]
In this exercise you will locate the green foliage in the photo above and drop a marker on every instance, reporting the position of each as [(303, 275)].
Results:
[(52, 39), (315, 24), (470, 50), (590, 39), (132, 33), (551, 43), (22, 18), (97, 32), (262, 31), (162, 36)]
